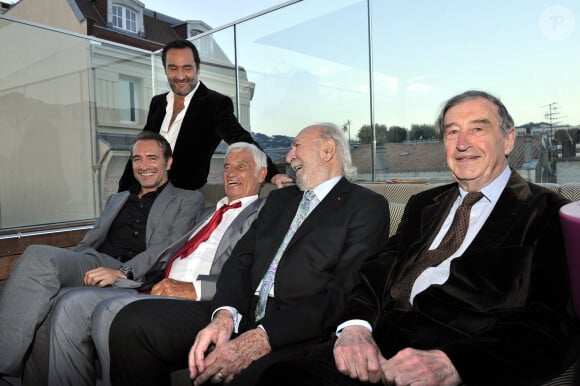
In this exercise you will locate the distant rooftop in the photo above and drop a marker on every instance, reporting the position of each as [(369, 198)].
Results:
[(424, 156)]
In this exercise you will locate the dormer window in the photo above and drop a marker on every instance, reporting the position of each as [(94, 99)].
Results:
[(124, 18)]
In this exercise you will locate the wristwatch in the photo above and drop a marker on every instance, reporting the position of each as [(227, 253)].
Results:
[(127, 271)]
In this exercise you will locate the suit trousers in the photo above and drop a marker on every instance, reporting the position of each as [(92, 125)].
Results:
[(81, 324), (37, 279), (72, 352), (151, 338), (315, 368)]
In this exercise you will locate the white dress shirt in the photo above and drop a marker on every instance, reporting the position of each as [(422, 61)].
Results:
[(199, 261), (171, 133)]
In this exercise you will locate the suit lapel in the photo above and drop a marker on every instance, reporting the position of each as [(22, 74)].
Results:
[(287, 216), (173, 248), (334, 200), (433, 216), (186, 132), (117, 202), (109, 214), (159, 106), (508, 208), (207, 213), (158, 209), (232, 234)]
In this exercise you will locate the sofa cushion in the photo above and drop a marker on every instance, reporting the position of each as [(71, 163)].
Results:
[(570, 191), (396, 210)]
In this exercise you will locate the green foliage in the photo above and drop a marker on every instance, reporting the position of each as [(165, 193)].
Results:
[(365, 136), (396, 134), (422, 132)]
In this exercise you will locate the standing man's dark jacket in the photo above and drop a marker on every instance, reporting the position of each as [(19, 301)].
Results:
[(208, 120)]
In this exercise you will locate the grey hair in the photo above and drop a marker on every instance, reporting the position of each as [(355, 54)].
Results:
[(331, 131), (258, 155), (506, 121)]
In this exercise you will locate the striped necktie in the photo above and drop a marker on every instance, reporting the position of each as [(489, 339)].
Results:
[(268, 280), (401, 290)]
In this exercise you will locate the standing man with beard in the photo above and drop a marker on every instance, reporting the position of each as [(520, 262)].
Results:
[(193, 119)]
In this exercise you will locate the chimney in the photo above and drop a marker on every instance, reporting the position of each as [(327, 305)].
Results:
[(527, 148)]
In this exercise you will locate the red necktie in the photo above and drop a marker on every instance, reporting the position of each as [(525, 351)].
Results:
[(201, 236)]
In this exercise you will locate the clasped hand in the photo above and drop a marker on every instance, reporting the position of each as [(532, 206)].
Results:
[(172, 287), (357, 355), (216, 357)]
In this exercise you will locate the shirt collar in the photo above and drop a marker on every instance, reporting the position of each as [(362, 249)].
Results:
[(244, 200), (324, 188), (493, 190), (135, 189)]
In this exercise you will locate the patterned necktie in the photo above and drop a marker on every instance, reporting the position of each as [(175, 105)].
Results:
[(201, 235), (268, 280), (401, 290)]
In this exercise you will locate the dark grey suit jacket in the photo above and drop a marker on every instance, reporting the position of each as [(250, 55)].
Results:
[(172, 214), (229, 240)]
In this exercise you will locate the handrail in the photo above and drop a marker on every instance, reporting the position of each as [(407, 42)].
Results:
[(19, 235)]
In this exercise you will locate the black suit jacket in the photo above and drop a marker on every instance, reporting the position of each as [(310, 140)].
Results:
[(209, 119), (502, 317), (319, 266)]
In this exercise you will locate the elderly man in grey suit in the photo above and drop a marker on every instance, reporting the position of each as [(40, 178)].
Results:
[(124, 243), (194, 263)]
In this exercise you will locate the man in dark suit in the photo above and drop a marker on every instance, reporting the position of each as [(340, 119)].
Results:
[(193, 276), (318, 260), (494, 310), (194, 119), (134, 228)]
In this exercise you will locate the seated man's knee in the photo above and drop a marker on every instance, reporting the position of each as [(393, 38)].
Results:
[(35, 256), (104, 314), (68, 305), (127, 319)]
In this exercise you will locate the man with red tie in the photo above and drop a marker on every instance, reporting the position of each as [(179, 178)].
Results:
[(192, 263)]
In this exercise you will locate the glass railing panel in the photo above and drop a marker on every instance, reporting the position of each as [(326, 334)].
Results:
[(45, 119), (525, 53), (121, 86), (70, 105), (305, 63), (218, 72)]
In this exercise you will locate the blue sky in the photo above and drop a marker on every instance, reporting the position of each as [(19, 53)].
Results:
[(526, 52)]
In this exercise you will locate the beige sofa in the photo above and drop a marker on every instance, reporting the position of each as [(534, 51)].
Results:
[(396, 193)]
